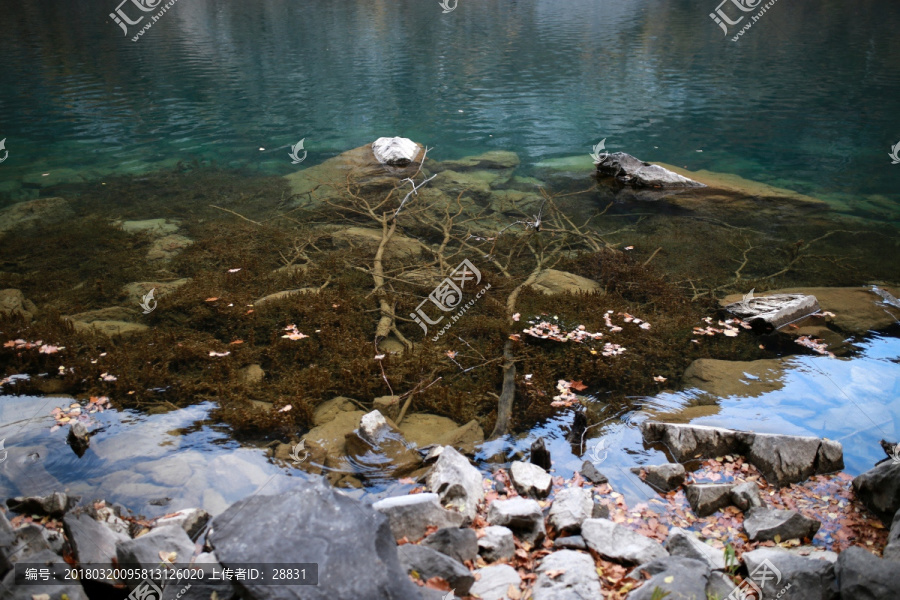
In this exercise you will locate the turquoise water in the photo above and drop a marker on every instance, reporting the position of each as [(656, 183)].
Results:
[(807, 99)]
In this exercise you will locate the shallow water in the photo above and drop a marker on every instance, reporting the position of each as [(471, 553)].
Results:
[(236, 84), (806, 99)]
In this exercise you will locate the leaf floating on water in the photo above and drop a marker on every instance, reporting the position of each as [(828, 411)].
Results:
[(214, 353), (659, 379), (516, 316), (285, 408), (234, 270), (293, 333), (108, 377), (213, 299)]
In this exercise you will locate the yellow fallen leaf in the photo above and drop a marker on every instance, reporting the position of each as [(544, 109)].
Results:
[(669, 579)]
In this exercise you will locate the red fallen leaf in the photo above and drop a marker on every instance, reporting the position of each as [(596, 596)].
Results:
[(403, 540), (212, 299), (578, 386), (237, 342), (515, 337), (438, 583), (408, 480)]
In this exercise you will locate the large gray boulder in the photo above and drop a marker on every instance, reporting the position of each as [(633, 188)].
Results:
[(686, 544), (352, 544), (879, 489), (633, 171), (762, 524), (523, 517), (428, 563), (530, 480), (570, 508), (147, 551), (457, 482), (772, 569), (567, 575), (620, 544), (862, 576), (411, 515), (12, 588), (783, 459), (679, 576)]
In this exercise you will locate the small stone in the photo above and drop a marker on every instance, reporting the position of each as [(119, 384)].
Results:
[(410, 516), (540, 456), (522, 516), (457, 482), (590, 472), (746, 496), (428, 563), (395, 151), (572, 542), (530, 480), (567, 574), (191, 520), (665, 477), (493, 582), (570, 508), (687, 544), (763, 524), (620, 544), (707, 498), (600, 511), (497, 543), (79, 438), (461, 544)]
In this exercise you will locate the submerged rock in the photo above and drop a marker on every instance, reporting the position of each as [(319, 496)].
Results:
[(551, 281), (379, 447), (153, 227), (137, 290), (13, 301), (632, 171), (399, 246), (33, 212), (168, 247), (725, 378), (285, 294)]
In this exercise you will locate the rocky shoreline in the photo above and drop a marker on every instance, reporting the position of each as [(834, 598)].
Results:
[(521, 533)]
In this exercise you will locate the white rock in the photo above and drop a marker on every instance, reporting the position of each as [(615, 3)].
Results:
[(530, 480), (457, 482), (570, 509), (395, 151)]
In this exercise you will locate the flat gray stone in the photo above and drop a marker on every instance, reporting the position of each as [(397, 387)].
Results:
[(685, 543), (92, 541), (763, 524), (144, 552), (411, 515), (775, 309), (746, 496), (590, 472), (572, 542), (634, 172), (620, 544), (707, 498)]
